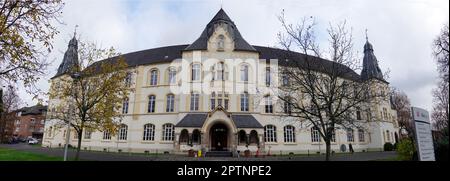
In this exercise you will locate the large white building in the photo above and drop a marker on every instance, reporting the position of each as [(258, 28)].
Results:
[(206, 95)]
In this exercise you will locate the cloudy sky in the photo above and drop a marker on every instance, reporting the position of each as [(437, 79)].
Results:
[(401, 31)]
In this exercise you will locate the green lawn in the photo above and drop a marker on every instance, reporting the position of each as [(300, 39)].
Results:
[(14, 155)]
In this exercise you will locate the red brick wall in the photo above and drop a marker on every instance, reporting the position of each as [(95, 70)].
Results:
[(27, 127)]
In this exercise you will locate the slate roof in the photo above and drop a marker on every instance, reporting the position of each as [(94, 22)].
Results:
[(70, 60), (221, 17), (192, 120), (245, 121), (33, 110), (370, 64), (197, 120)]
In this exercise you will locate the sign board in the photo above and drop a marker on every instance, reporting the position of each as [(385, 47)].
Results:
[(424, 138)]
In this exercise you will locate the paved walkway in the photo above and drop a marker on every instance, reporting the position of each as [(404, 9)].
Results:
[(103, 156)]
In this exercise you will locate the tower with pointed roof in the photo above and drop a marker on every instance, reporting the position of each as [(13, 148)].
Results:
[(370, 70), (70, 61)]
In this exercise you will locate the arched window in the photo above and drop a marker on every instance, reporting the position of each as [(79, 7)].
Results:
[(244, 73), (254, 137), (350, 135), (315, 135), (106, 135), (123, 130), (195, 100), (242, 137), (184, 137), (196, 69), (168, 132), (244, 101), (151, 104), (154, 77), (196, 137), (170, 103), (220, 43), (172, 75), (149, 132), (268, 104), (361, 135), (285, 79), (270, 134), (125, 106), (289, 133)]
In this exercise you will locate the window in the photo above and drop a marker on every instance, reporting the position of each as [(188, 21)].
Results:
[(194, 101), (244, 101), (350, 137), (242, 137), (268, 76), (151, 103), (33, 121), (226, 101), (172, 75), (220, 43), (268, 105), (87, 134), (170, 103), (287, 106), (184, 136), (361, 135), (106, 135), (358, 114), (270, 133), (253, 137), (285, 79), (154, 77), (315, 135), (289, 134), (168, 132), (123, 132), (42, 121), (244, 73), (213, 100), (196, 72), (149, 132), (128, 79), (125, 106), (196, 137)]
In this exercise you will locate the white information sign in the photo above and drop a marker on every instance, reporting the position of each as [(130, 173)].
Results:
[(423, 134)]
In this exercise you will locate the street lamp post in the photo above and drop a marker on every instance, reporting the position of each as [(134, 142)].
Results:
[(74, 76)]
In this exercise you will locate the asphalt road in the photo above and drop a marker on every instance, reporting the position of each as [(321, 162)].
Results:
[(104, 156)]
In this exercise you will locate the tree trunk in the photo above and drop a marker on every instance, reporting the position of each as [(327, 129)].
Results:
[(77, 155), (328, 150)]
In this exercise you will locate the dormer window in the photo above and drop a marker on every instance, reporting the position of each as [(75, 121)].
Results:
[(220, 43)]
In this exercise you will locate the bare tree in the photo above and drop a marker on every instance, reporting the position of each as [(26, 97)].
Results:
[(26, 34), (9, 102), (440, 113), (325, 94), (403, 107)]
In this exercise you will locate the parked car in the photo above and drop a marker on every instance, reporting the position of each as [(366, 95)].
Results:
[(33, 141)]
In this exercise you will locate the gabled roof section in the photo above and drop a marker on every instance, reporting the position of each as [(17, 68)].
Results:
[(221, 17)]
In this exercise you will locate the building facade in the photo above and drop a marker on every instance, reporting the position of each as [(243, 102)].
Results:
[(30, 122), (216, 94)]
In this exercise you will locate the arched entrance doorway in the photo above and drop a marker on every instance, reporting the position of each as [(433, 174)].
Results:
[(219, 137)]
